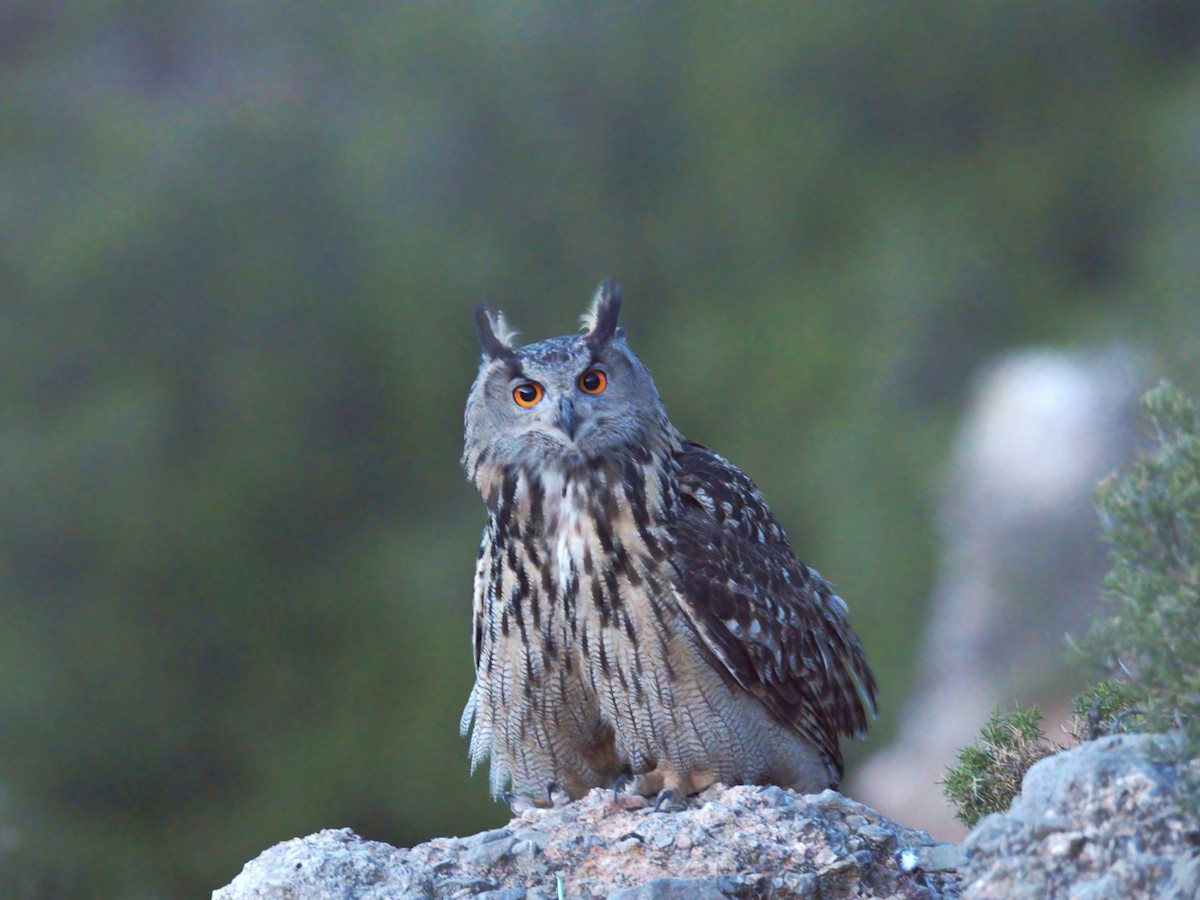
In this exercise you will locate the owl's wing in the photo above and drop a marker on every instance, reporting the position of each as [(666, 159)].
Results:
[(775, 624)]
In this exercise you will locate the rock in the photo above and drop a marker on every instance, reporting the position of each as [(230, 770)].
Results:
[(942, 858), (538, 839), (675, 889), (1065, 843), (329, 864), (1098, 821), (490, 852), (774, 795), (727, 842), (1185, 880)]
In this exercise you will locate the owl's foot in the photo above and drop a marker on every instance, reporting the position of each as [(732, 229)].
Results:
[(519, 803), (669, 785)]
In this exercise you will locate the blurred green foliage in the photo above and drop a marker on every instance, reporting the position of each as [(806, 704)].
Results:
[(1150, 627), (241, 243)]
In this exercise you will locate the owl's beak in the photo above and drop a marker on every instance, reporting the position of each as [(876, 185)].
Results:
[(566, 418)]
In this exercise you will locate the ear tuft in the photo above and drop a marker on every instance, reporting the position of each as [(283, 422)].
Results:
[(495, 337), (601, 318)]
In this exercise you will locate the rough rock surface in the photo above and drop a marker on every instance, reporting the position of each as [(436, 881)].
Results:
[(727, 842), (1099, 821)]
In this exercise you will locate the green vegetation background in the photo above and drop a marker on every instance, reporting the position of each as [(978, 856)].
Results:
[(240, 245)]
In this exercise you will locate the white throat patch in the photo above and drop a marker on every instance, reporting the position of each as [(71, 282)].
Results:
[(567, 524)]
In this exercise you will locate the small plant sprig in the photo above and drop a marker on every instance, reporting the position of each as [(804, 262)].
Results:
[(1109, 707), (989, 772)]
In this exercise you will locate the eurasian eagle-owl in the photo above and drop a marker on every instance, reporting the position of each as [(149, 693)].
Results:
[(639, 614)]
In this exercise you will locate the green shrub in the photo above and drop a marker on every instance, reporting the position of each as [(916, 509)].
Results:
[(1149, 631), (989, 772)]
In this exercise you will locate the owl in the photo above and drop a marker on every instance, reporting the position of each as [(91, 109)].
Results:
[(640, 619)]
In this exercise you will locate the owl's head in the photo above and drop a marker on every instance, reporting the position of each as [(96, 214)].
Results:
[(567, 401)]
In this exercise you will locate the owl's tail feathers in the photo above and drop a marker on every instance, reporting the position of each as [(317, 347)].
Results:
[(481, 733), (852, 699), (865, 689)]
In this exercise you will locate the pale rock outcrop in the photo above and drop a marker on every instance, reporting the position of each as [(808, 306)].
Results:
[(1108, 819), (727, 842)]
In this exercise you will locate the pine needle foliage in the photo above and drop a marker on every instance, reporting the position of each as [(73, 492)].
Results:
[(988, 774)]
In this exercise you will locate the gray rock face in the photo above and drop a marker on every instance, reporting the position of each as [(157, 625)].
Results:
[(1099, 821), (335, 863), (727, 842)]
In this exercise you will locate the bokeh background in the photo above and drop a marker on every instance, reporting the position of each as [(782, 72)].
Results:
[(240, 244)]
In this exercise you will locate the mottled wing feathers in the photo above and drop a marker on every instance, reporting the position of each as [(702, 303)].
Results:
[(774, 623)]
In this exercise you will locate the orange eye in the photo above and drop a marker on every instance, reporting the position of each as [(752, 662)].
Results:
[(593, 381), (528, 394)]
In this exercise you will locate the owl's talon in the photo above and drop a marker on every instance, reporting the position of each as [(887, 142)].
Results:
[(665, 798), (518, 804), (556, 796), (627, 799)]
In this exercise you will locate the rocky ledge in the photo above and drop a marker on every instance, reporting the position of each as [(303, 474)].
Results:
[(1105, 820), (727, 842), (1112, 818)]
